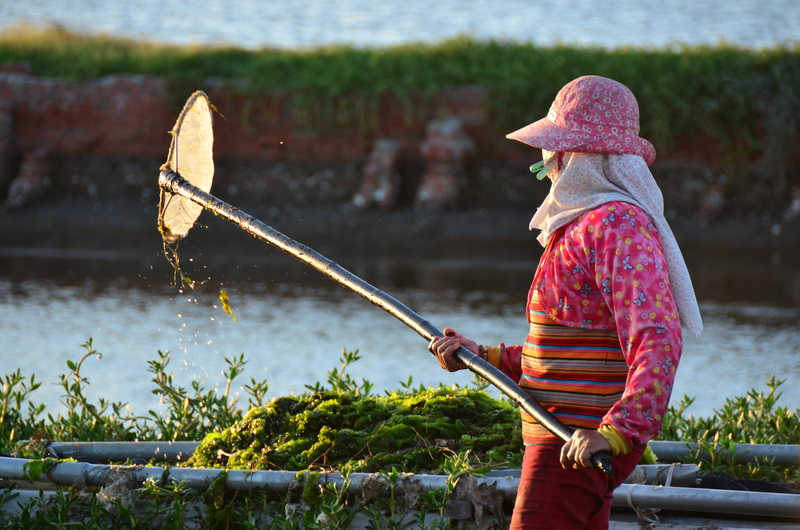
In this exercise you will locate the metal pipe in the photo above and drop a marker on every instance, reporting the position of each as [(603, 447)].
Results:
[(681, 474), (783, 455), (632, 495), (173, 183), (23, 497), (97, 475), (666, 451), (121, 451), (708, 500), (664, 475)]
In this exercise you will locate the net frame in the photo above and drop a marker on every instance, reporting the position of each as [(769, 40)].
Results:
[(190, 155)]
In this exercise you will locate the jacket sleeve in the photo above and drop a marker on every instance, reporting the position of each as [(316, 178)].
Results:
[(635, 285), (508, 359)]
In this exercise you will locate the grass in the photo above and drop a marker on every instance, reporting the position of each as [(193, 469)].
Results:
[(196, 413)]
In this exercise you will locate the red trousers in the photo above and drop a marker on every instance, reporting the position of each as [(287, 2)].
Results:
[(552, 498)]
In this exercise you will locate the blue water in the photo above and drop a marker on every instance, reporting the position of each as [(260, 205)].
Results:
[(294, 334), (293, 338), (294, 24)]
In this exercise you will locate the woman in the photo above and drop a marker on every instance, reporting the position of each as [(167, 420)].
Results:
[(605, 308)]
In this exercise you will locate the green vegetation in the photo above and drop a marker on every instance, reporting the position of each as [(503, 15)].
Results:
[(343, 428), (334, 426), (754, 418), (340, 426), (413, 432), (746, 99), (189, 415)]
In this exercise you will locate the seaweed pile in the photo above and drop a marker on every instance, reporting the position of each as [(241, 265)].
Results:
[(337, 431)]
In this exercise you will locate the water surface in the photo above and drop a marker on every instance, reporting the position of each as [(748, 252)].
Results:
[(293, 333), (294, 24)]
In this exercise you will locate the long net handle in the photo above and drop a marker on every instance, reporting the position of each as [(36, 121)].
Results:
[(173, 183)]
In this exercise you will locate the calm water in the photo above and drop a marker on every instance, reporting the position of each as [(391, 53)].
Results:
[(292, 24), (293, 333)]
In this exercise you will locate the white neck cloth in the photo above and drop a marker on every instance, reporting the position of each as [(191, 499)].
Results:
[(587, 181)]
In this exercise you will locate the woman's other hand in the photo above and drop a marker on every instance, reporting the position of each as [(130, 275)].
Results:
[(578, 450), (444, 348)]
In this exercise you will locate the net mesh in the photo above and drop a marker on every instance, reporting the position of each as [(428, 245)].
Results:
[(191, 156)]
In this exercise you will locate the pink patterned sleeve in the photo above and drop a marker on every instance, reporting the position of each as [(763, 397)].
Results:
[(633, 273), (508, 359)]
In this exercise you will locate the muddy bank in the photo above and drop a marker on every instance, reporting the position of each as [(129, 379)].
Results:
[(94, 202), (127, 223), (106, 137)]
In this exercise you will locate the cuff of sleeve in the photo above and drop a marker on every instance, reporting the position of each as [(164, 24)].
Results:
[(619, 444), (493, 354)]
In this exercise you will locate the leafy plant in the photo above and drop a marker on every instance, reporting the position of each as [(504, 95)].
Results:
[(339, 381), (14, 394), (84, 420), (465, 444), (192, 415), (753, 418), (333, 510)]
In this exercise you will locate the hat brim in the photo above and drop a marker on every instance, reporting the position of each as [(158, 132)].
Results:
[(544, 134)]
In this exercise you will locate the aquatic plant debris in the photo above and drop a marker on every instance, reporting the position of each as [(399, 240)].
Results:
[(226, 303), (35, 468), (335, 431)]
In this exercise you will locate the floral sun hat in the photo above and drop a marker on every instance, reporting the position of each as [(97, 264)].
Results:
[(591, 114)]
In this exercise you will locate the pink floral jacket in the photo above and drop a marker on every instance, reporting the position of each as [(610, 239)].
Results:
[(606, 270)]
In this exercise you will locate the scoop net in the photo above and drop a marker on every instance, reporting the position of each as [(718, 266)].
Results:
[(191, 156)]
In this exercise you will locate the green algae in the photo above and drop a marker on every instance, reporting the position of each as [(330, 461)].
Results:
[(34, 469), (226, 304), (338, 431)]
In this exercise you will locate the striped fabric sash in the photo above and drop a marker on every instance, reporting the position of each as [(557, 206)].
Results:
[(577, 374)]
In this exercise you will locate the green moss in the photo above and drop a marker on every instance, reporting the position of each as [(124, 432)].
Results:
[(649, 457), (226, 304), (33, 469), (333, 430)]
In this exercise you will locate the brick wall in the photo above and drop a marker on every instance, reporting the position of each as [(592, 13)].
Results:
[(264, 142), (129, 115)]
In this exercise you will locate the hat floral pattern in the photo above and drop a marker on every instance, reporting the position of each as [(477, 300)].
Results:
[(591, 114)]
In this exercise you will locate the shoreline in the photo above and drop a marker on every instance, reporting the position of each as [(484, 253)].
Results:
[(732, 259), (74, 223)]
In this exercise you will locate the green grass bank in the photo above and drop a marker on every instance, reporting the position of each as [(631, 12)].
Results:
[(747, 100)]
